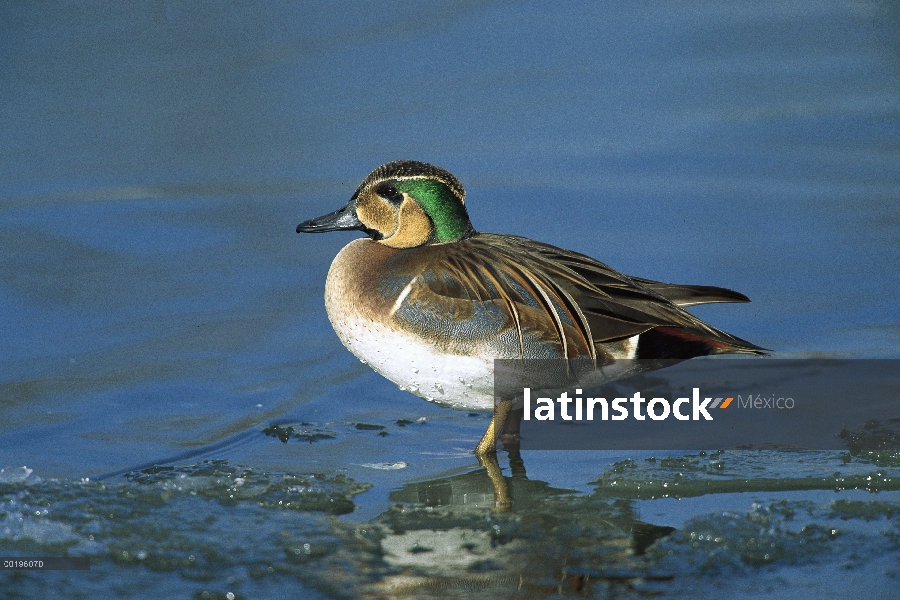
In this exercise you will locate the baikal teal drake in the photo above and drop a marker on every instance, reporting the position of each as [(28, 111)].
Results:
[(429, 303)]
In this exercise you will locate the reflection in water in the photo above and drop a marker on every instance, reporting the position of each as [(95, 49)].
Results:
[(447, 534), (446, 537)]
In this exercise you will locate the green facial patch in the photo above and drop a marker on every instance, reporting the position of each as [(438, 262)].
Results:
[(443, 207)]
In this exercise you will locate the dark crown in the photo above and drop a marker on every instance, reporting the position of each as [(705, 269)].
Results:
[(411, 169)]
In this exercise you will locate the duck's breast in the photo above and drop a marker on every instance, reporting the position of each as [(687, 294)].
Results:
[(375, 304)]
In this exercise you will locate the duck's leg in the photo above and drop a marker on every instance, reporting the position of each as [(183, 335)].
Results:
[(509, 436), (511, 443), (488, 443), (486, 451)]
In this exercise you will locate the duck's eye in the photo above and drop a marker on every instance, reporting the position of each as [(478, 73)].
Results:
[(390, 193)]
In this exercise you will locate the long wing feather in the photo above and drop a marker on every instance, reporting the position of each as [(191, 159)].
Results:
[(578, 295)]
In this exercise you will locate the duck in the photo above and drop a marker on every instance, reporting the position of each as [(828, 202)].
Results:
[(430, 303)]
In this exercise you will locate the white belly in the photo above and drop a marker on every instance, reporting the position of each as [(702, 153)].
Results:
[(462, 382)]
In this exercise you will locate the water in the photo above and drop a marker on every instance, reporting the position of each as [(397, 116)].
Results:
[(160, 317)]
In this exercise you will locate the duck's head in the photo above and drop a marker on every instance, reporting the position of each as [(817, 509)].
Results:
[(402, 204)]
